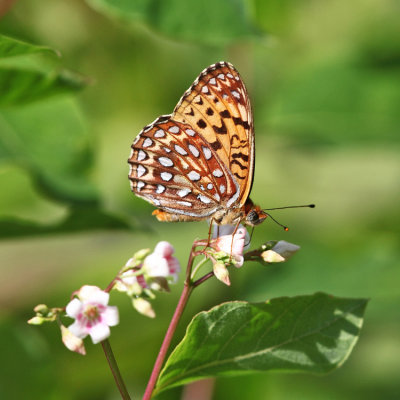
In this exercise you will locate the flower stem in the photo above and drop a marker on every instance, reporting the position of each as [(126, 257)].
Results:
[(115, 370), (203, 279), (187, 290)]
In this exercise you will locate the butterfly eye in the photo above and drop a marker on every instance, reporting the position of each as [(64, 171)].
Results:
[(255, 217), (252, 218)]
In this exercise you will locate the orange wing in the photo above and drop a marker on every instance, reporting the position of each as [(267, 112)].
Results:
[(176, 169), (218, 107)]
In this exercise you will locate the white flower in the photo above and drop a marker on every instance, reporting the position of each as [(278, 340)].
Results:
[(232, 245), (162, 263), (280, 252), (92, 314)]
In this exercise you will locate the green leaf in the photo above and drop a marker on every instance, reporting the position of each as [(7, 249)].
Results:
[(50, 141), (19, 86), (26, 74), (79, 219), (207, 21), (10, 47), (314, 333)]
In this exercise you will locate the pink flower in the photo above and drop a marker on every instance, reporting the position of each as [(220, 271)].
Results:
[(232, 245), (162, 263), (92, 314), (129, 282)]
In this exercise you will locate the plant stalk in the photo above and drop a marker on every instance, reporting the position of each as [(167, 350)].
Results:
[(115, 370), (187, 290)]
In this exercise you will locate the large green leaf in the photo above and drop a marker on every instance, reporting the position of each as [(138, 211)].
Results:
[(206, 21), (314, 333), (29, 73), (10, 47), (49, 139)]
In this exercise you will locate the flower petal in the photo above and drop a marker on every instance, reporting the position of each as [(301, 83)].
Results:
[(78, 329), (156, 265), (99, 332), (173, 265), (111, 316), (93, 294), (164, 248), (74, 307)]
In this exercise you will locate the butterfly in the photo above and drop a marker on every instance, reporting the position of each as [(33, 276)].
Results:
[(198, 162)]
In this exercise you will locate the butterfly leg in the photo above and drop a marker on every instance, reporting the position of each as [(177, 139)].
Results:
[(212, 220)]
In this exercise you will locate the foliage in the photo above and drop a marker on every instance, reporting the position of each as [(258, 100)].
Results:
[(47, 138), (305, 333)]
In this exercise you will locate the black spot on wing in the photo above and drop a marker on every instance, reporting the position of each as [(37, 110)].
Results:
[(220, 129), (225, 114), (201, 123), (238, 163), (244, 157), (239, 121), (216, 145)]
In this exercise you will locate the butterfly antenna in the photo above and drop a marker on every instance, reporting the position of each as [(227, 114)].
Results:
[(273, 219), (251, 235), (282, 208)]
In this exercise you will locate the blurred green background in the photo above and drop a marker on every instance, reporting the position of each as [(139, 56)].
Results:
[(324, 79)]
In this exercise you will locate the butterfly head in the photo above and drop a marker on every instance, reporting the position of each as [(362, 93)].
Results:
[(254, 214)]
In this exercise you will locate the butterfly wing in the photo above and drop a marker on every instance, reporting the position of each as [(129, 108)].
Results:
[(173, 167), (218, 106)]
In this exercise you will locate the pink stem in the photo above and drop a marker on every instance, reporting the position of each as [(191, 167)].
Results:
[(187, 289)]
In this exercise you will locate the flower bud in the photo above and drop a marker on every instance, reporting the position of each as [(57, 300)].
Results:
[(141, 255), (71, 341), (41, 309), (221, 273), (36, 320), (143, 307), (285, 249), (271, 256)]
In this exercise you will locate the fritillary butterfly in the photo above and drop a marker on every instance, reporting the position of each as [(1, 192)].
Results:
[(198, 162)]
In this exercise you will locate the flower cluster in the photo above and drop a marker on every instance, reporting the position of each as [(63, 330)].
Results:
[(228, 245), (145, 273)]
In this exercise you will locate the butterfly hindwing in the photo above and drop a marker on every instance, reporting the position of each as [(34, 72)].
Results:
[(174, 168)]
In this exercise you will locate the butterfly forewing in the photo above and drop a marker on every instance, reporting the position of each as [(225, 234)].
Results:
[(174, 168), (199, 161), (217, 104)]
